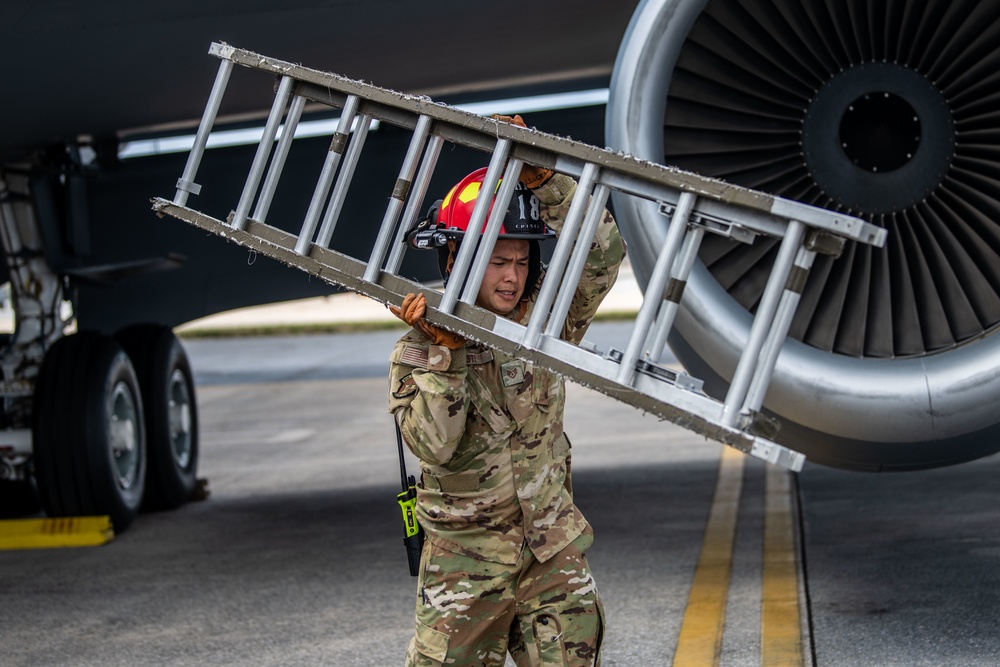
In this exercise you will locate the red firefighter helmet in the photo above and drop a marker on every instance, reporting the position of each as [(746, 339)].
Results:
[(448, 220), (522, 220)]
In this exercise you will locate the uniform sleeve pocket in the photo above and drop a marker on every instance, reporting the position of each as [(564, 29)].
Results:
[(540, 388), (560, 446), (431, 643)]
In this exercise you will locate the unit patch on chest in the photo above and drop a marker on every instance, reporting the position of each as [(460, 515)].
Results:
[(512, 373)]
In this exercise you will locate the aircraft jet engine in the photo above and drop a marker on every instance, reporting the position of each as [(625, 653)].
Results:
[(889, 111)]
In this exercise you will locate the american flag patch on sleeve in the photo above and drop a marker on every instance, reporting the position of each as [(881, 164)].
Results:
[(414, 356)]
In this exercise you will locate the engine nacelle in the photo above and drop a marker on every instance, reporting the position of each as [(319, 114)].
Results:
[(893, 361)]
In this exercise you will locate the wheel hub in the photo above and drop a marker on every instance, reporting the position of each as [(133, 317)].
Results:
[(179, 414), (124, 435)]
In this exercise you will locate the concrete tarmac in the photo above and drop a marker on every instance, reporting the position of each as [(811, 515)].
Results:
[(296, 558)]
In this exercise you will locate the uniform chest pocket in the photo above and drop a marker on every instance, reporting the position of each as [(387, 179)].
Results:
[(482, 400), (535, 393)]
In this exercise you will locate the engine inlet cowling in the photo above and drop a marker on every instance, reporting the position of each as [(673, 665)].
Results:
[(886, 111)]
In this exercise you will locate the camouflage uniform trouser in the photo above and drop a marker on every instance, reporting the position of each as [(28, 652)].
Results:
[(471, 612)]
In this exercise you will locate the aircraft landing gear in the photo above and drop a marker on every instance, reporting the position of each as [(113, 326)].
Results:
[(104, 426)]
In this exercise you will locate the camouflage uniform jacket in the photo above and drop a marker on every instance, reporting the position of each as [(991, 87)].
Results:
[(488, 428)]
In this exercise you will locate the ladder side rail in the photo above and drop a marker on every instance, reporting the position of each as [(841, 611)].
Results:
[(674, 293), (751, 219), (689, 409), (492, 232), (400, 192), (577, 261), (334, 154), (635, 186), (186, 184), (263, 151), (472, 233), (653, 295), (744, 222), (560, 256), (344, 179), (477, 138), (831, 221), (692, 410), (762, 322), (278, 161), (420, 186), (779, 332), (706, 188), (597, 372), (320, 83)]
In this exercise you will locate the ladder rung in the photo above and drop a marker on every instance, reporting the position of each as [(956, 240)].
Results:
[(560, 256), (675, 290), (338, 144), (577, 261), (489, 238), (278, 161), (354, 148), (412, 213), (399, 194), (186, 184), (657, 283), (263, 151), (782, 322), (470, 240), (763, 320)]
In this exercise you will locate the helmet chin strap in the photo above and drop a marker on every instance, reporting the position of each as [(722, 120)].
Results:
[(452, 251), (522, 308)]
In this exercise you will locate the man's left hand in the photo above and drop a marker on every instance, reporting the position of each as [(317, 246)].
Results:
[(412, 312)]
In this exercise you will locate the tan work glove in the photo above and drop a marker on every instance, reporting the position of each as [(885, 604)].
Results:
[(531, 176), (412, 312)]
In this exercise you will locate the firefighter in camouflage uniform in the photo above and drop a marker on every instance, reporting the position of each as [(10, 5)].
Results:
[(504, 567)]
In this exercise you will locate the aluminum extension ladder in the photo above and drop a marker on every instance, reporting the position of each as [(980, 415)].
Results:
[(694, 205)]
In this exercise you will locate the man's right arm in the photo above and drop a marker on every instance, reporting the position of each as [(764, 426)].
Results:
[(428, 397)]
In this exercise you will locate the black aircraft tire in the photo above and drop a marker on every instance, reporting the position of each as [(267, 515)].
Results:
[(168, 391), (88, 432)]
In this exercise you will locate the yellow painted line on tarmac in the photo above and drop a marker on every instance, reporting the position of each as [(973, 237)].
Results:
[(75, 531), (781, 627), (700, 641)]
